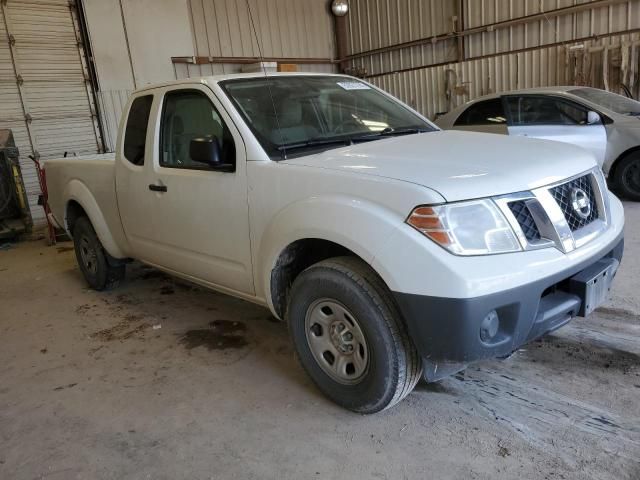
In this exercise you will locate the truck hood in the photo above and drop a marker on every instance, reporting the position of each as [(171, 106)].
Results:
[(459, 165)]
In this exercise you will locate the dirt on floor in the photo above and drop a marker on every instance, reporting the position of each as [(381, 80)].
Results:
[(160, 379)]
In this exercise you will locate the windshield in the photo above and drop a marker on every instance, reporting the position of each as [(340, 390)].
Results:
[(615, 103), (317, 112)]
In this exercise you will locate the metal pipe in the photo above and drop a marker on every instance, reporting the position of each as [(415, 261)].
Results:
[(342, 39), (486, 28)]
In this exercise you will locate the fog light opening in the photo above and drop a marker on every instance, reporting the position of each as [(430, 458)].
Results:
[(489, 326)]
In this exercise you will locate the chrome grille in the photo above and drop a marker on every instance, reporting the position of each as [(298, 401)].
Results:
[(563, 195), (545, 216), (525, 220)]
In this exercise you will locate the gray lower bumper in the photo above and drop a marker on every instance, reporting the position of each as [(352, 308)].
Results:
[(446, 331)]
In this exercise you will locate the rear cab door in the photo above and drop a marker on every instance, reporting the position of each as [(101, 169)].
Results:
[(182, 215), (552, 117)]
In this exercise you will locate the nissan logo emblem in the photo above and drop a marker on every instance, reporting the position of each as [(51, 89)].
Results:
[(580, 203)]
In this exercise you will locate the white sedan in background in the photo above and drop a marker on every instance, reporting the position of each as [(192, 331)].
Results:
[(604, 123)]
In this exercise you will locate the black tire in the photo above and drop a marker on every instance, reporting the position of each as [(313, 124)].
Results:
[(393, 364), (627, 177), (94, 262)]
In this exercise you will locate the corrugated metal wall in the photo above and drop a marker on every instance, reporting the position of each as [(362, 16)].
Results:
[(286, 28), (44, 95), (592, 22), (557, 48), (427, 89), (379, 23)]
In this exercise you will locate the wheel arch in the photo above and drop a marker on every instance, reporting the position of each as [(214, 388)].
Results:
[(618, 160), (81, 202), (293, 260), (316, 229), (73, 212)]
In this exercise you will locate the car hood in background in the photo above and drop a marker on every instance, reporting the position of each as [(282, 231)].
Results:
[(459, 165)]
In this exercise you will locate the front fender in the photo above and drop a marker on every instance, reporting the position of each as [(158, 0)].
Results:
[(622, 140), (78, 191), (358, 224)]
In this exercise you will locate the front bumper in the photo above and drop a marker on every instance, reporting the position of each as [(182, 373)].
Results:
[(446, 331)]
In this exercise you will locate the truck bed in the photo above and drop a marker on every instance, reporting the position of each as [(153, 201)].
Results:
[(90, 180)]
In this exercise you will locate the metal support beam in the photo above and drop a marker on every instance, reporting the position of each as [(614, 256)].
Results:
[(502, 54), (487, 28)]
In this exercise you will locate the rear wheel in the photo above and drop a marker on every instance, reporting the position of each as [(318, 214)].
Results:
[(95, 264), (627, 176), (349, 336)]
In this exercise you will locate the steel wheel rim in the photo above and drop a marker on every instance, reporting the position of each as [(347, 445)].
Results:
[(89, 256), (631, 176), (336, 341)]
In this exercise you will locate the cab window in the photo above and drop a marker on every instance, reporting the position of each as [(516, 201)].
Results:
[(189, 114), (135, 134)]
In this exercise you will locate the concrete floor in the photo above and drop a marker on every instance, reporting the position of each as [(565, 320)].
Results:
[(162, 380)]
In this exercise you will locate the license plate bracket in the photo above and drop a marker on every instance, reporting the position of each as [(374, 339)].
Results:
[(593, 283)]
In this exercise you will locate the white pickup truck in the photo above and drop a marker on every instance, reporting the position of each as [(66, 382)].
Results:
[(392, 249)]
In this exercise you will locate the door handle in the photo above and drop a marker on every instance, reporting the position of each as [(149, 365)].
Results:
[(157, 188)]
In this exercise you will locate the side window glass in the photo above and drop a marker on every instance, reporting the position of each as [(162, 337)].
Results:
[(189, 114), (487, 112), (571, 113), (545, 111), (135, 135)]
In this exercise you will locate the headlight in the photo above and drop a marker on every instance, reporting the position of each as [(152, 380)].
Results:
[(466, 228)]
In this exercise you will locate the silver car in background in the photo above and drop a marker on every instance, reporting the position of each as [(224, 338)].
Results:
[(605, 123)]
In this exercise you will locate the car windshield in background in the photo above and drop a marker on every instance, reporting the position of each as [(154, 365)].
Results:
[(317, 112), (614, 102)]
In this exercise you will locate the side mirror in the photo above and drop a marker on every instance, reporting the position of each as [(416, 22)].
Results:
[(593, 118), (206, 150)]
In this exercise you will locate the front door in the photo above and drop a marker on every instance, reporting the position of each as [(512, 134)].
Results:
[(199, 216), (554, 118)]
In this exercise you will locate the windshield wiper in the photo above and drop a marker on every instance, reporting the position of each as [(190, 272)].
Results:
[(313, 143), (346, 141), (633, 114), (390, 132)]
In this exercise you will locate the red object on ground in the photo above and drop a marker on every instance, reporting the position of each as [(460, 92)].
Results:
[(42, 180)]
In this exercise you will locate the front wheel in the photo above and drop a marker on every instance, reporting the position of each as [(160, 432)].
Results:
[(627, 176), (350, 337), (93, 261)]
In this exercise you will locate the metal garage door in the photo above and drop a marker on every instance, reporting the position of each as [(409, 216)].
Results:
[(45, 94)]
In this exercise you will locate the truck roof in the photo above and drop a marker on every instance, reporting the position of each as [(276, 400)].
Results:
[(229, 76)]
